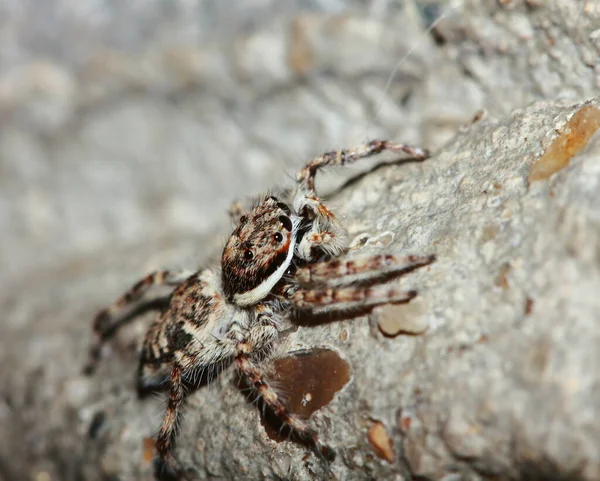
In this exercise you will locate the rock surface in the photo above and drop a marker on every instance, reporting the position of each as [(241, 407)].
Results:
[(125, 138)]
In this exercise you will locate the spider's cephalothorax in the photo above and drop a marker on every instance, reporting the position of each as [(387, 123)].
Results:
[(258, 252), (282, 256)]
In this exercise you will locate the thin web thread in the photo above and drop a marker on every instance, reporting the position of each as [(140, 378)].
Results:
[(383, 99)]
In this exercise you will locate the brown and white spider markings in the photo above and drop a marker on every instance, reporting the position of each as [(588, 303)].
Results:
[(281, 257)]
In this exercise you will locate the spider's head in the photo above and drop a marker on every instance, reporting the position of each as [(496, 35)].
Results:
[(258, 252)]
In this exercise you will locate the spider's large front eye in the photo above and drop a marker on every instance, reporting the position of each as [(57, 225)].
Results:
[(278, 237), (248, 254), (286, 222)]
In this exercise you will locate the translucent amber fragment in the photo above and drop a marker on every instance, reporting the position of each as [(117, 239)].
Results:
[(381, 442), (574, 137), (307, 381)]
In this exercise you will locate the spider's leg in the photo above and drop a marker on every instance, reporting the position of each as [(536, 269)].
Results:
[(306, 177), (155, 364), (324, 299), (237, 209), (164, 440), (108, 321), (198, 360), (269, 395), (359, 270), (325, 236)]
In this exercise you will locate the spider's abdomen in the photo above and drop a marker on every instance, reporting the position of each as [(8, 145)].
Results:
[(193, 320)]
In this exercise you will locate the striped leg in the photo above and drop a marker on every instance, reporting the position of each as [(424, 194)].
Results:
[(109, 320), (164, 440), (252, 372), (306, 177), (237, 209), (325, 299), (360, 270)]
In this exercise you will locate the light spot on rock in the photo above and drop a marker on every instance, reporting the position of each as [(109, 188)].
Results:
[(344, 335), (502, 279), (148, 446), (382, 240), (42, 476), (379, 241), (394, 319), (359, 241)]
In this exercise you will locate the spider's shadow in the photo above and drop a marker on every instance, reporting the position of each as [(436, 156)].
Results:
[(158, 304), (309, 319), (378, 166)]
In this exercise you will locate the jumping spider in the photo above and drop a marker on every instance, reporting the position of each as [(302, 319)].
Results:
[(281, 258)]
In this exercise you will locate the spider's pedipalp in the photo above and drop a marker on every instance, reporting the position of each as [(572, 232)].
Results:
[(359, 270)]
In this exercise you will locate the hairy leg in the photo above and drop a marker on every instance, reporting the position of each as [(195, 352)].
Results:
[(359, 270), (164, 440), (306, 177), (321, 300), (237, 209), (252, 372), (326, 237), (109, 320)]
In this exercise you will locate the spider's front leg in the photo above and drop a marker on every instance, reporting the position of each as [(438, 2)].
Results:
[(324, 235), (306, 177), (339, 285)]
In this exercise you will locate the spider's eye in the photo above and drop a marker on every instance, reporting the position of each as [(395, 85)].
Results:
[(248, 254), (278, 237), (286, 222), (243, 219)]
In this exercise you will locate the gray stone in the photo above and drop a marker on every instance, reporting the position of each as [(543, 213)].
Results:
[(126, 135)]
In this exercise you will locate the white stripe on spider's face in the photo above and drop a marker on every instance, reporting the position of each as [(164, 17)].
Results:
[(264, 288)]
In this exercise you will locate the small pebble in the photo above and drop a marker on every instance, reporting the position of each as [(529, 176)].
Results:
[(394, 319), (381, 442)]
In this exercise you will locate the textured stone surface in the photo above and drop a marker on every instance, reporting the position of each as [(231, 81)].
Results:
[(125, 137)]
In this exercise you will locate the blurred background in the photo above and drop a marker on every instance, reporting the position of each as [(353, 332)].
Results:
[(129, 123), (133, 123)]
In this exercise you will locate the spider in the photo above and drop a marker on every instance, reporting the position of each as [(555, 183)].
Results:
[(282, 257)]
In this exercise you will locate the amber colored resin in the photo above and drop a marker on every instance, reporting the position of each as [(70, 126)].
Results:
[(381, 442), (574, 137), (307, 380)]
